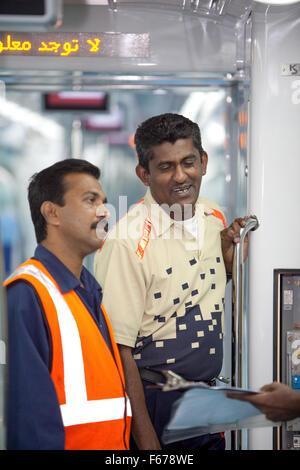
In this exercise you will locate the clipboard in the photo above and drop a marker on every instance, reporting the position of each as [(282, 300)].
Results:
[(204, 410)]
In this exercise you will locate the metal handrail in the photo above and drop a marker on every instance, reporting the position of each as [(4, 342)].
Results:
[(240, 317)]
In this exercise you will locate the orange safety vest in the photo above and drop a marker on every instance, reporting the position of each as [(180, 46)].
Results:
[(89, 381)]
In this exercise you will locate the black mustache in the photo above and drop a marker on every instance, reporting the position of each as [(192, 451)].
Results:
[(95, 225)]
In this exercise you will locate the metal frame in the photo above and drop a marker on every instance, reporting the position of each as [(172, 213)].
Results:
[(3, 364)]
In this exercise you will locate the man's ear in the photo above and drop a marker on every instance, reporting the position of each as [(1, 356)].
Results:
[(143, 175), (49, 211), (204, 162)]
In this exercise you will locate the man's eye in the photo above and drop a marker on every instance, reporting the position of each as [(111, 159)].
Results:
[(189, 163), (164, 167)]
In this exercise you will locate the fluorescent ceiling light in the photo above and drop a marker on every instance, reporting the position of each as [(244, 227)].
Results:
[(278, 2), (28, 118)]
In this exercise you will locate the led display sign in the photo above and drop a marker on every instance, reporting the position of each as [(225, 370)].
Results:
[(74, 44), (79, 100)]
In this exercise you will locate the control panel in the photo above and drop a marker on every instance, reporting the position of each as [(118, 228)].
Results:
[(287, 350)]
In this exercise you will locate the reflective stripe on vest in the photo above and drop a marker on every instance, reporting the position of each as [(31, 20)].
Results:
[(75, 406)]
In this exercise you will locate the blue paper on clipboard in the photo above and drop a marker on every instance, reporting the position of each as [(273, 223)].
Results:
[(204, 410)]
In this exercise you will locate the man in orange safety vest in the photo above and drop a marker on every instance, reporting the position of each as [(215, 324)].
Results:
[(66, 382)]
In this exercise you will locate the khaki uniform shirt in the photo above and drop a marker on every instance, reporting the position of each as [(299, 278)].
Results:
[(164, 290)]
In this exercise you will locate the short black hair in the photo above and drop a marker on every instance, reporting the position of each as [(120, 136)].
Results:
[(48, 185), (167, 127)]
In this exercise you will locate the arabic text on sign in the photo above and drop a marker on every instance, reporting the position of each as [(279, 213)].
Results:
[(64, 49), (92, 44)]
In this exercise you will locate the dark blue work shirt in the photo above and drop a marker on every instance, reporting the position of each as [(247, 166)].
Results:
[(34, 419)]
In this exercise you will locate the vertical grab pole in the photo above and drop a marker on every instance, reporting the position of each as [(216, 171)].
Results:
[(240, 319)]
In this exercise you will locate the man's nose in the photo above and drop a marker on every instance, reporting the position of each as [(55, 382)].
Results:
[(102, 211), (179, 175)]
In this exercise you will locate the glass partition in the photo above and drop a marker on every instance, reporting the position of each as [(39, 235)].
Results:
[(33, 137)]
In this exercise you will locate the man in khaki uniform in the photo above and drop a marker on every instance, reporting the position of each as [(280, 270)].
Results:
[(162, 269)]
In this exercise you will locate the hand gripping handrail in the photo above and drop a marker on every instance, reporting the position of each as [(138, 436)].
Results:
[(240, 312)]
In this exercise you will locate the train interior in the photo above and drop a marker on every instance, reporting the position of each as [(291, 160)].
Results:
[(193, 58)]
